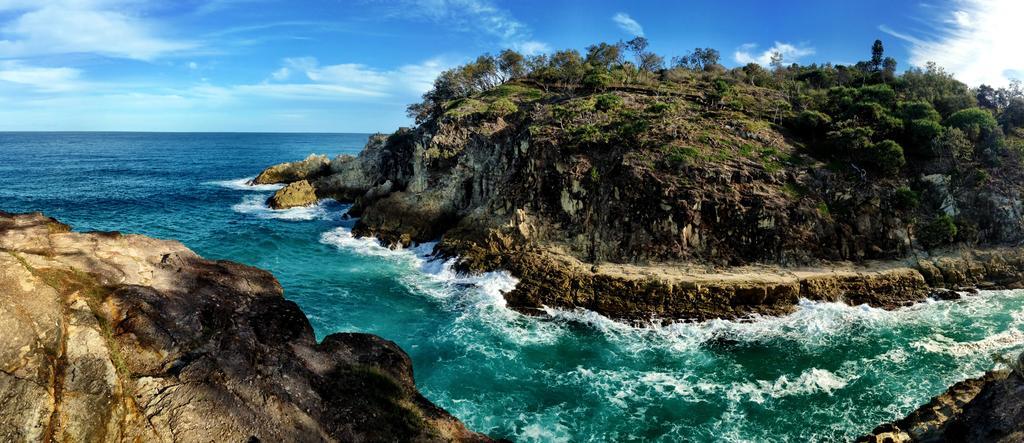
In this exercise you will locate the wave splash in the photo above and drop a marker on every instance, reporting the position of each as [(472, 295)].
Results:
[(256, 204), (243, 184)]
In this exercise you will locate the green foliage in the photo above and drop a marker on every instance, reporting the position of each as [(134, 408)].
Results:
[(680, 155), (921, 133), (934, 85), (939, 231), (812, 124), (976, 123), (607, 102), (918, 110), (880, 94), (597, 80), (887, 157), (907, 198), (502, 107), (953, 144), (659, 108), (824, 210)]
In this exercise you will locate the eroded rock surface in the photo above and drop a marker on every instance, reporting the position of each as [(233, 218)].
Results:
[(985, 409), (118, 338), (293, 195)]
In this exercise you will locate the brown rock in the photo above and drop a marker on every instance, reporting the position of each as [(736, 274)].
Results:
[(312, 167), (120, 338), (294, 195)]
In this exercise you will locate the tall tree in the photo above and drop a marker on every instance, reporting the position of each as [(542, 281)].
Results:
[(877, 55)]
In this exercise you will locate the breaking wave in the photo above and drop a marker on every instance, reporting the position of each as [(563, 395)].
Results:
[(243, 184)]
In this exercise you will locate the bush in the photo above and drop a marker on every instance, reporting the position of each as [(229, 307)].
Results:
[(921, 133), (887, 157), (881, 94), (607, 102), (906, 198), (597, 80), (812, 124), (659, 107), (919, 110), (939, 231), (977, 123), (953, 144), (502, 107)]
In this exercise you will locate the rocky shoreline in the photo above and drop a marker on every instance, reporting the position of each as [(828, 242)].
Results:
[(984, 409), (552, 277), (111, 337)]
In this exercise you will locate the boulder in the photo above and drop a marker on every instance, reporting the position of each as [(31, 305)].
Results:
[(311, 168), (296, 194)]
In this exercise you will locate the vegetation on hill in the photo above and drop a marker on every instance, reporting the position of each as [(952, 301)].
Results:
[(865, 122)]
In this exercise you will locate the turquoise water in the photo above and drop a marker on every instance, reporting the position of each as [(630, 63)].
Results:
[(826, 372)]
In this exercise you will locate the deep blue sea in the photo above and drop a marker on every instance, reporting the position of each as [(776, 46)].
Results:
[(827, 372)]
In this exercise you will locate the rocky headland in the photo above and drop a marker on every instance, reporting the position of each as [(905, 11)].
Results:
[(111, 337), (627, 232)]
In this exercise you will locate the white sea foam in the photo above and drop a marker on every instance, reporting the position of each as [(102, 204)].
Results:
[(941, 344), (811, 381), (256, 204), (243, 184)]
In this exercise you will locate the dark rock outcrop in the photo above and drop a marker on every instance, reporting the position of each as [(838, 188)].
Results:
[(985, 409), (110, 337)]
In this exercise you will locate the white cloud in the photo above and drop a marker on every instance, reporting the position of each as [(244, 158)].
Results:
[(979, 41), (626, 23), (790, 53), (348, 80), (477, 16), (40, 78), (82, 26)]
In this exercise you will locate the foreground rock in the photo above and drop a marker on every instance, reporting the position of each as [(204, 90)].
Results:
[(295, 194), (110, 337), (985, 409)]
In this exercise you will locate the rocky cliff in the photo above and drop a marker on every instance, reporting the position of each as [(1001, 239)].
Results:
[(640, 202), (110, 337)]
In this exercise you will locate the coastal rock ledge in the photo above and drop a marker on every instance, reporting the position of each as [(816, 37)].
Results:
[(989, 408), (110, 337)]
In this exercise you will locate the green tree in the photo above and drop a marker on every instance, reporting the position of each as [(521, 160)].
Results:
[(511, 65), (877, 56)]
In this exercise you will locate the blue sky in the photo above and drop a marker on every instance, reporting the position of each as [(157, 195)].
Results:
[(353, 66)]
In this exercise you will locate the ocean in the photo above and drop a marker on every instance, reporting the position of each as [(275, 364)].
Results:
[(827, 372)]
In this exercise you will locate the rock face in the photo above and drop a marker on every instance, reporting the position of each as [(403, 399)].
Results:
[(110, 337), (293, 195), (985, 409), (310, 168)]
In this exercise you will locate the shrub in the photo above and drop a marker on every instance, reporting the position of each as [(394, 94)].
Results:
[(881, 94), (812, 124), (887, 157), (502, 107), (939, 231), (976, 123), (907, 198), (607, 102), (919, 110), (921, 133), (597, 80), (659, 107), (953, 144)]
